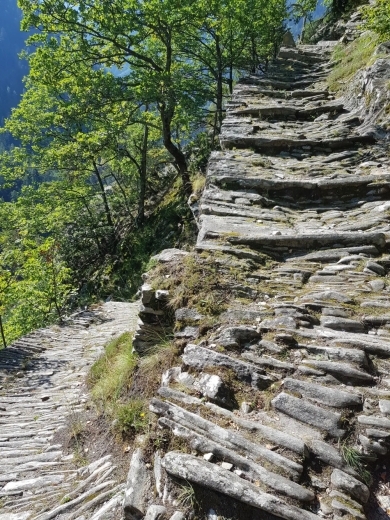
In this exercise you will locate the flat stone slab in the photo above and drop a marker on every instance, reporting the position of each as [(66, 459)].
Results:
[(309, 414), (200, 358), (342, 371), (323, 394), (211, 476)]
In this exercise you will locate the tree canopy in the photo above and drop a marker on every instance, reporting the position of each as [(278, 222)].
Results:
[(122, 105)]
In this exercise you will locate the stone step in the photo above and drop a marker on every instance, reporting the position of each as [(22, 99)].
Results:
[(228, 438), (211, 476), (332, 397), (310, 414)]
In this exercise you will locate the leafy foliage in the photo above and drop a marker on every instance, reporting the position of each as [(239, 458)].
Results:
[(377, 18), (122, 106)]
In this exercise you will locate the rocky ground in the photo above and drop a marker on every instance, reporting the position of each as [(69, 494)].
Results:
[(283, 401), (43, 394)]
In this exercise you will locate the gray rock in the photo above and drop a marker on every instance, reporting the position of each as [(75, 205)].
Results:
[(137, 488), (25, 515), (371, 447), (384, 406), (162, 295), (200, 358), (188, 315), (342, 371), (331, 456), (340, 354), (236, 336), (268, 362), (377, 434), (344, 509), (177, 515), (323, 394), (377, 285), (273, 435), (350, 485), (214, 388), (280, 322), (147, 294), (155, 513), (373, 266), (214, 477), (227, 438), (271, 346), (343, 324), (169, 254), (328, 295), (308, 413), (372, 420)]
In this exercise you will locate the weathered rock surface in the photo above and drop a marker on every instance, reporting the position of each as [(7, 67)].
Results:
[(303, 178)]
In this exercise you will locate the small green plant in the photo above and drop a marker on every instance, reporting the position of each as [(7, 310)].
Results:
[(131, 416), (65, 500), (354, 459), (187, 496)]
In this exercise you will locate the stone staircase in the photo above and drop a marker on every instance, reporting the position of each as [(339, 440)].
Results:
[(299, 180), (42, 391)]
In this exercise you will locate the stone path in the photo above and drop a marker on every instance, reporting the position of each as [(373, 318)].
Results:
[(41, 378), (298, 178)]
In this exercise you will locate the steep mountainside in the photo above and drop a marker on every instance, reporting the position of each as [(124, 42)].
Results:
[(263, 354), (12, 68)]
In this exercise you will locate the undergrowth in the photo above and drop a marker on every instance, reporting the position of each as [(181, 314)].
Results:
[(121, 382), (351, 58), (200, 282)]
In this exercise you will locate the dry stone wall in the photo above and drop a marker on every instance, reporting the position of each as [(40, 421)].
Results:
[(302, 179)]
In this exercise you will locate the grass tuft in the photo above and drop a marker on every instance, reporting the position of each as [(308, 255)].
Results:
[(354, 459), (112, 372), (351, 58), (187, 497)]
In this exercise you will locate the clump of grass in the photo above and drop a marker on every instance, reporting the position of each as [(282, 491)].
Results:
[(198, 183), (198, 282), (187, 497), (112, 373), (131, 417), (354, 459), (351, 58)]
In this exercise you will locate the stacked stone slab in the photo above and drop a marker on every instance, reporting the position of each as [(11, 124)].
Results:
[(301, 180), (42, 393), (153, 319)]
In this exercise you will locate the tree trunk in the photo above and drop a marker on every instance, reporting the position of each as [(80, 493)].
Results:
[(303, 29), (2, 332), (167, 111), (230, 80), (142, 175), (181, 162), (253, 55), (219, 82), (105, 201)]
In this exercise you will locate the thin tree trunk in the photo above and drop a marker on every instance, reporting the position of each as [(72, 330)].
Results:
[(231, 79), (142, 174), (2, 332), (254, 55), (177, 154), (303, 29), (105, 201), (219, 82), (167, 111)]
